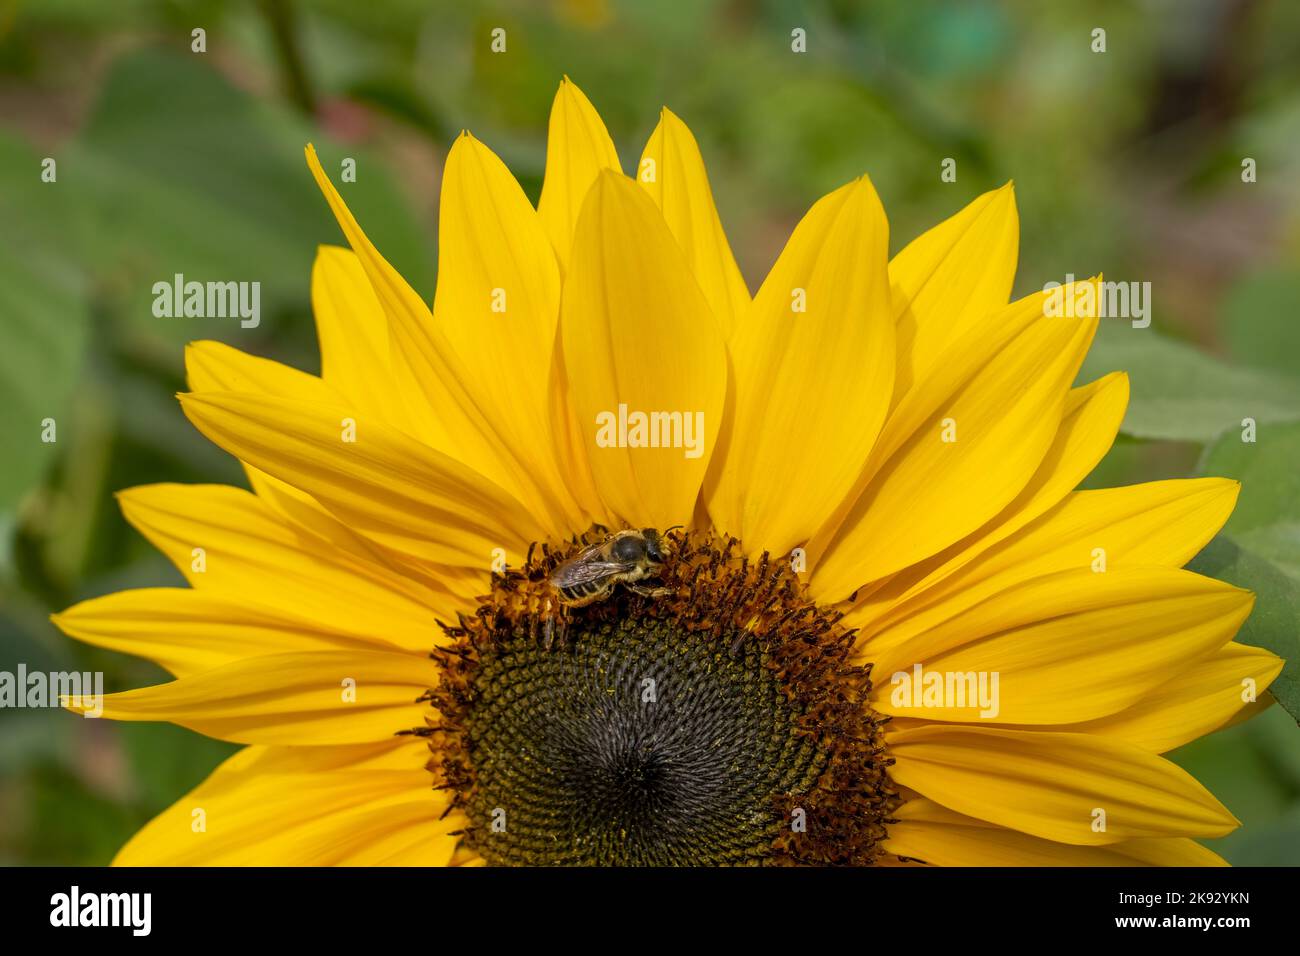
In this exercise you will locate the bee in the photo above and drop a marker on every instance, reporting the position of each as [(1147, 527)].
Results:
[(624, 557)]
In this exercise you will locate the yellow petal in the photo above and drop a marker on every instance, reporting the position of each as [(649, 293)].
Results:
[(354, 342), (938, 836), (187, 631), (814, 370), (226, 541), (304, 697), (409, 320), (402, 494), (949, 278), (961, 362), (639, 340), (304, 806), (578, 147), (1176, 852), (1066, 647), (403, 305), (572, 440), (498, 303), (1092, 417), (1161, 523), (451, 588), (422, 359), (1250, 711), (971, 458), (214, 366), (1050, 785), (1196, 701), (672, 171)]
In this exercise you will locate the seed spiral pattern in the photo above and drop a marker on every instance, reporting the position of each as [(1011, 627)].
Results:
[(719, 725), (641, 747)]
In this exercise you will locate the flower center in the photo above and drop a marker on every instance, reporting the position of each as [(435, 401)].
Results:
[(711, 721)]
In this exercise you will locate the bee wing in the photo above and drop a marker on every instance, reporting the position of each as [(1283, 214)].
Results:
[(584, 572)]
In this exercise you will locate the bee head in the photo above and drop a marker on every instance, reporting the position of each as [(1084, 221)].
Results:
[(637, 546), (653, 552)]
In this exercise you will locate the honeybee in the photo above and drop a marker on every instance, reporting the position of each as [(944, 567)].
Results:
[(624, 557)]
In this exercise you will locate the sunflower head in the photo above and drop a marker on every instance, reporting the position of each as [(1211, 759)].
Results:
[(604, 560), (691, 725)]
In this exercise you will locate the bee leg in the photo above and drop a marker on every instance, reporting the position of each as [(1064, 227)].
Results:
[(564, 629), (649, 592), (548, 629)]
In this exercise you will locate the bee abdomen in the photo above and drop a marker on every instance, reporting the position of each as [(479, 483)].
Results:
[(575, 591), (585, 593)]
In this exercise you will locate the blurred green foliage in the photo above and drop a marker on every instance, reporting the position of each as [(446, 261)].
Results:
[(1127, 162)]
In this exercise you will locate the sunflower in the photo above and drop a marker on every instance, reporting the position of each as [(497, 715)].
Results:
[(839, 601)]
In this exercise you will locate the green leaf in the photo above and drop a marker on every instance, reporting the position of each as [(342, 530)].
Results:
[(1272, 844), (186, 174), (168, 760), (1259, 321), (1267, 516), (1269, 470), (1250, 767), (43, 315), (1180, 394), (67, 821), (1274, 623)]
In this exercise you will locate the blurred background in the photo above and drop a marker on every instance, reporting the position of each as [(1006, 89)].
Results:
[(1127, 162)]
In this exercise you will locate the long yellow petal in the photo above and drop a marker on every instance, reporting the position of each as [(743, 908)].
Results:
[(1200, 699), (1092, 417), (304, 806), (578, 148), (572, 440), (227, 542), (1161, 523), (406, 496), (949, 278), (1052, 785), (672, 171), (354, 342), (216, 367), (187, 631), (498, 303), (450, 418), (814, 371), (1067, 647), (451, 588), (639, 339), (304, 697), (934, 834), (971, 458)]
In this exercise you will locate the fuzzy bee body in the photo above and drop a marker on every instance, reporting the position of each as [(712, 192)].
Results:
[(624, 557)]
